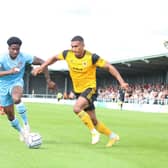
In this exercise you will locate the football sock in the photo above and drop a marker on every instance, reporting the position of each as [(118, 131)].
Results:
[(15, 124), (86, 120), (103, 129), (21, 108)]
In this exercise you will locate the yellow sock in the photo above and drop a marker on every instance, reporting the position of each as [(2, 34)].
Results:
[(103, 129), (86, 119)]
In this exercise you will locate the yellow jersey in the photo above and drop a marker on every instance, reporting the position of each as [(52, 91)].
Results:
[(82, 70)]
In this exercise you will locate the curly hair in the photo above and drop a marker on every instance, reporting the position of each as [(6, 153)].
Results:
[(14, 40)]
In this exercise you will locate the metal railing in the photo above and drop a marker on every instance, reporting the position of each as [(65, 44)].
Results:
[(131, 100)]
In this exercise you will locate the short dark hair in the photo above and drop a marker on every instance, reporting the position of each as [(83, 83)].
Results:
[(14, 40), (78, 38)]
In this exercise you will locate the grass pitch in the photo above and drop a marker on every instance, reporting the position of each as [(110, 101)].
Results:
[(67, 142)]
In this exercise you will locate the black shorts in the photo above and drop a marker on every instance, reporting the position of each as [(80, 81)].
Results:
[(91, 95)]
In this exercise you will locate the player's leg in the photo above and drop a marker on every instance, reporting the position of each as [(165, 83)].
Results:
[(91, 112), (1, 110), (16, 93), (81, 103), (8, 106), (102, 128), (121, 105), (9, 110)]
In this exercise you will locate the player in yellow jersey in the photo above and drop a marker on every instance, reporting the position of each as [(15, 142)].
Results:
[(82, 66)]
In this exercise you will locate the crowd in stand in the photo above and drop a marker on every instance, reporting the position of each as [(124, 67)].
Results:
[(137, 93)]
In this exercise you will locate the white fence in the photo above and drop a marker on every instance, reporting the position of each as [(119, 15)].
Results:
[(155, 108)]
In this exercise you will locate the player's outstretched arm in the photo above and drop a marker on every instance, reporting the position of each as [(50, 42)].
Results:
[(9, 72), (113, 71), (50, 83), (44, 65)]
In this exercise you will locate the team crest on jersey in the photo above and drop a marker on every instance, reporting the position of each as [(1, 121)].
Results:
[(71, 61), (19, 64), (84, 63)]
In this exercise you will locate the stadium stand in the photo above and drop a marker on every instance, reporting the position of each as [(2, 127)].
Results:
[(138, 72)]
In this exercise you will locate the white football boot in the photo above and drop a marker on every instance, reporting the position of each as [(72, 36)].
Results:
[(113, 140), (24, 133), (95, 137)]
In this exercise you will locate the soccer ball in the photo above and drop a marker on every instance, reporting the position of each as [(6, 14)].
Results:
[(34, 140)]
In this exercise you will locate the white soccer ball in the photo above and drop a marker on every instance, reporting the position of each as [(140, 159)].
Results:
[(34, 140)]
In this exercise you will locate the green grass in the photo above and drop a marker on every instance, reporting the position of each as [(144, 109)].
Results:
[(66, 141)]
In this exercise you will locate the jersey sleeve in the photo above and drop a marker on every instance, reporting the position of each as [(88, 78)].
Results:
[(62, 56), (98, 61), (0, 63), (29, 58)]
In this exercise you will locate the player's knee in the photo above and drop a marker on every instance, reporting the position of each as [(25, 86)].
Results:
[(17, 100), (10, 116), (76, 109)]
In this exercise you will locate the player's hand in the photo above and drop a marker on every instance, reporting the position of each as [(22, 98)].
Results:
[(51, 85), (129, 92), (125, 85), (14, 70), (36, 71)]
